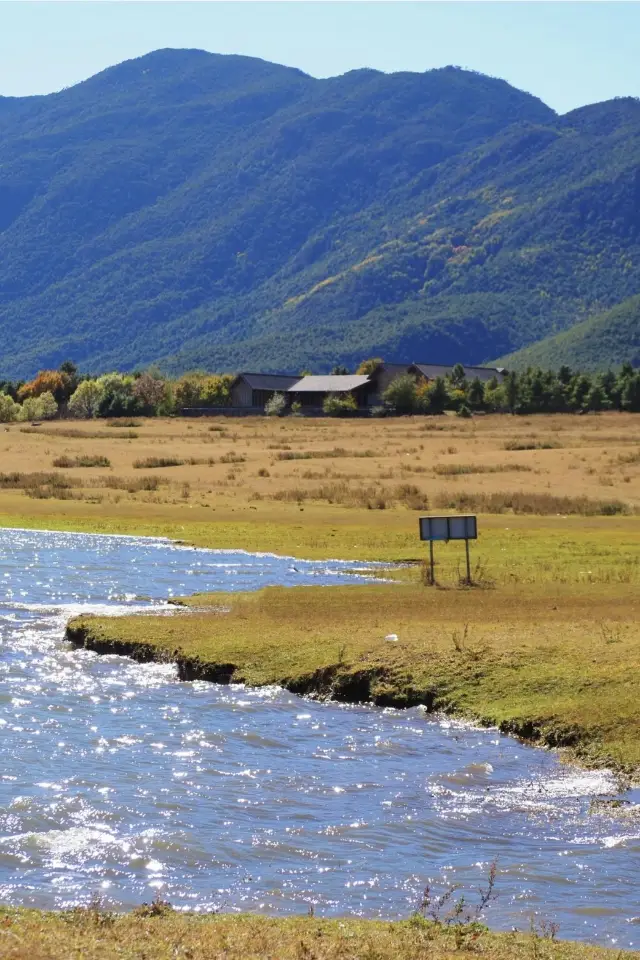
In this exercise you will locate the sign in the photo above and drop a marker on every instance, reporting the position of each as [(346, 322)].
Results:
[(448, 528)]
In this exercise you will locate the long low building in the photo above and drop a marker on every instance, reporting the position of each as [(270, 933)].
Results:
[(250, 392)]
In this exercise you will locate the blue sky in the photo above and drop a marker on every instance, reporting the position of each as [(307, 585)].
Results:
[(566, 53)]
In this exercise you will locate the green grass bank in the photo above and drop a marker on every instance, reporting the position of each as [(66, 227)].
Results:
[(554, 663), (87, 934)]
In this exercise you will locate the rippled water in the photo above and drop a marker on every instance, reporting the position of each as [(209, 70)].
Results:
[(116, 778)]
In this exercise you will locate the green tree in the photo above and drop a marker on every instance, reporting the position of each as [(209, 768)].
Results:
[(512, 391), (475, 394), (401, 395), (432, 396), (118, 399), (579, 390), (86, 400), (9, 409), (48, 406), (457, 377), (631, 394), (596, 399)]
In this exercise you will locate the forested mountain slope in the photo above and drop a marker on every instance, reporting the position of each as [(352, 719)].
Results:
[(602, 341), (226, 212)]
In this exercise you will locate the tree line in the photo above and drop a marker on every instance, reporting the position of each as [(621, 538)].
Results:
[(530, 391), (69, 393)]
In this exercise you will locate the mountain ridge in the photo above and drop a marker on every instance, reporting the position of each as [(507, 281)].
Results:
[(210, 210)]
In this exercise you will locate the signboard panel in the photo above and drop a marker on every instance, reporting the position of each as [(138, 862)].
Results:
[(448, 528)]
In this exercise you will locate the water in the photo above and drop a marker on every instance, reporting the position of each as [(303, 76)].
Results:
[(118, 779)]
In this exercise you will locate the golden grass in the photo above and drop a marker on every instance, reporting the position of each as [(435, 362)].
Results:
[(92, 935), (367, 480)]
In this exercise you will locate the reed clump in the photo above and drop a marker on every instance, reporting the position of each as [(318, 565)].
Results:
[(85, 460), (520, 502), (151, 463)]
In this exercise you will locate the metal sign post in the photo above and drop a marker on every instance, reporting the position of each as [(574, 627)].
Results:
[(448, 528)]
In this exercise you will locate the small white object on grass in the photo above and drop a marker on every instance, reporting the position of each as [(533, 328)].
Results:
[(391, 638)]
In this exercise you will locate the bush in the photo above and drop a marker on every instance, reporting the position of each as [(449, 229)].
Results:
[(401, 395), (336, 406), (296, 408), (463, 411), (150, 462), (276, 406), (83, 461)]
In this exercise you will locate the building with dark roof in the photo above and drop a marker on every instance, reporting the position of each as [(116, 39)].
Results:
[(254, 390), (430, 371)]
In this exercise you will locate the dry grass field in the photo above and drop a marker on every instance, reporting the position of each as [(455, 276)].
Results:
[(350, 487)]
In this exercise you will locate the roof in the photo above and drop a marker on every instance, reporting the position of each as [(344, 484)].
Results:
[(333, 383), (433, 370), (394, 367), (268, 381)]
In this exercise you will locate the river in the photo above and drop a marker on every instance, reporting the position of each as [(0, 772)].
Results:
[(117, 779)]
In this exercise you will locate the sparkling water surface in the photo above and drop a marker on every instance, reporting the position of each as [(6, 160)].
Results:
[(118, 779)]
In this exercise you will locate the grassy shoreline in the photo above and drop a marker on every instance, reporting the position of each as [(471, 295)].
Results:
[(165, 935), (571, 680)]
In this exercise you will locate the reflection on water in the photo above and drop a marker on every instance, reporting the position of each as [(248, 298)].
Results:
[(116, 778)]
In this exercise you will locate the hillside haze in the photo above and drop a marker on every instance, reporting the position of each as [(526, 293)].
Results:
[(221, 211)]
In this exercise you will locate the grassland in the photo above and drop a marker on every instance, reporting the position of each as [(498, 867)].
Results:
[(319, 488), (92, 935)]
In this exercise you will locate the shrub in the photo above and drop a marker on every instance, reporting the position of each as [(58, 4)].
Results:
[(84, 461), (401, 396), (232, 457), (296, 408), (276, 406), (542, 504), (463, 411), (151, 462), (336, 406), (130, 484)]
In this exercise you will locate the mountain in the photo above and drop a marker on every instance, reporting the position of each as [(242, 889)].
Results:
[(221, 211), (602, 341)]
